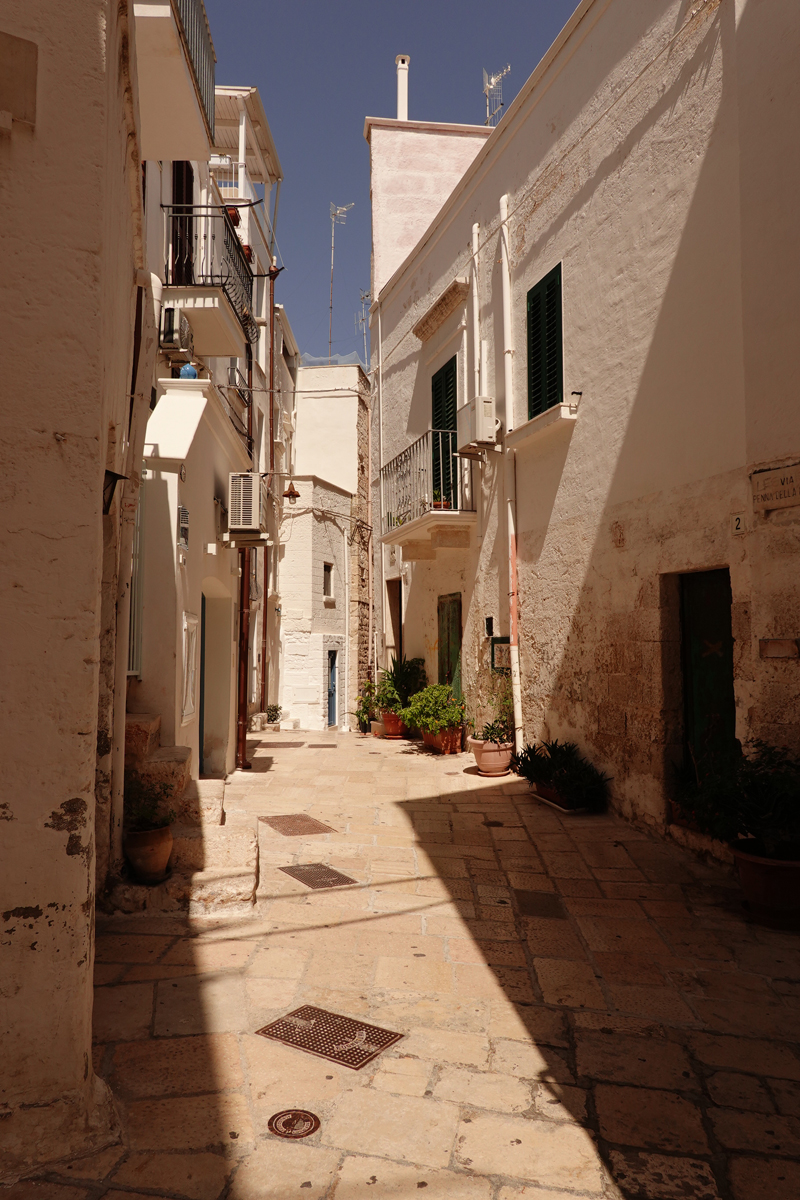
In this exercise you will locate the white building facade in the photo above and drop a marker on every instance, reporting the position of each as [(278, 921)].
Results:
[(614, 272)]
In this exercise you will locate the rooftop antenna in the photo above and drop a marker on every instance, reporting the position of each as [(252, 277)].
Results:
[(493, 91), (338, 217)]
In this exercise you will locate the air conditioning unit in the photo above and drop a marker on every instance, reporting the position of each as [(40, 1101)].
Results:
[(476, 424), (247, 505), (176, 332)]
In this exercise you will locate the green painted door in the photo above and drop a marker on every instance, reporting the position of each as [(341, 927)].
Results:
[(707, 651), (450, 641), (443, 432)]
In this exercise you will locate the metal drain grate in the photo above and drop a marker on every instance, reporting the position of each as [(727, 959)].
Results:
[(282, 745), (296, 825), (293, 1123), (321, 745), (317, 875), (328, 1035), (539, 904)]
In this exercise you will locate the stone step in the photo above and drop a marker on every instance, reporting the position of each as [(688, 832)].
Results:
[(142, 736), (228, 889), (202, 803), (212, 847), (170, 765)]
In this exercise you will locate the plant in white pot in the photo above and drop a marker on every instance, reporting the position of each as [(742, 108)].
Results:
[(493, 748), (148, 838)]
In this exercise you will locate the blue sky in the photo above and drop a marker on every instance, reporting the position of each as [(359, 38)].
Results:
[(322, 67)]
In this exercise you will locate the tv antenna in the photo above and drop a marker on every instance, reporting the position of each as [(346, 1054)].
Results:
[(361, 322), (338, 217), (493, 91)]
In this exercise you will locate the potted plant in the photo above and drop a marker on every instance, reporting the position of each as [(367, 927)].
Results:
[(389, 705), (563, 778), (438, 502), (439, 715), (493, 748), (274, 712), (148, 837), (366, 706), (752, 801), (408, 677)]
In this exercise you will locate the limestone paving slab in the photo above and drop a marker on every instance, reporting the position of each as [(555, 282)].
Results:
[(588, 1049)]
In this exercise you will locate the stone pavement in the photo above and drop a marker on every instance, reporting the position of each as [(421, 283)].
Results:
[(585, 1012)]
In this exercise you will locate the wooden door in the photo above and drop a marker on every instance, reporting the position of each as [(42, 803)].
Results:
[(450, 641), (707, 652)]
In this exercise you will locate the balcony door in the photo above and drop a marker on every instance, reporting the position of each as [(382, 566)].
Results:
[(182, 224), (444, 397)]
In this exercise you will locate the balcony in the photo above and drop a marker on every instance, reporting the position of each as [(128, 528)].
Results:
[(207, 275), (185, 404), (176, 60), (428, 501)]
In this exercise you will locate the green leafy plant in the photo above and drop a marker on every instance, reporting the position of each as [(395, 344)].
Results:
[(408, 677), (751, 800), (366, 706), (143, 803), (561, 767), (387, 697), (433, 709), (497, 731), (274, 713)]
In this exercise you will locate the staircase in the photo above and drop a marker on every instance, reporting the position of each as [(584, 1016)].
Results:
[(214, 865)]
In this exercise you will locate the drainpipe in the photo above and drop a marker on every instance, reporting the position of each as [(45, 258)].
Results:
[(244, 608), (476, 316), (510, 482), (371, 555), (380, 480), (274, 272)]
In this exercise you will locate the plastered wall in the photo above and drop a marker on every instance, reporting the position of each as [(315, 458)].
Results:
[(632, 159)]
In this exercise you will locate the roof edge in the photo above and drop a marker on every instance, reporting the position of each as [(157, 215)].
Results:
[(424, 126)]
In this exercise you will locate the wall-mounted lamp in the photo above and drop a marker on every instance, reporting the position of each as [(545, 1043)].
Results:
[(291, 494)]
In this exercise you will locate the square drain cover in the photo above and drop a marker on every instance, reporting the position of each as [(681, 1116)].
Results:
[(321, 745), (296, 825), (539, 904), (339, 1039), (282, 745), (317, 875)]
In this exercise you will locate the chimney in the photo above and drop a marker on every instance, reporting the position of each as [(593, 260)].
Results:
[(402, 61)]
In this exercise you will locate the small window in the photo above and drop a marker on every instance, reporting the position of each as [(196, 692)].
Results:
[(327, 579), (545, 352)]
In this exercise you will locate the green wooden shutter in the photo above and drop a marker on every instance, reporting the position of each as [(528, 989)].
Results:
[(444, 396), (545, 344)]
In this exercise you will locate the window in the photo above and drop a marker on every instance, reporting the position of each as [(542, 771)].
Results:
[(444, 395), (327, 579), (545, 357)]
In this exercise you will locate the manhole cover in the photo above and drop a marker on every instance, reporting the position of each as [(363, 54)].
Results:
[(317, 875), (296, 825), (328, 1035), (293, 1123), (539, 904)]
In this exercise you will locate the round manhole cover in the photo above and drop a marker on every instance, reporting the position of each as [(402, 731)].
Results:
[(293, 1123)]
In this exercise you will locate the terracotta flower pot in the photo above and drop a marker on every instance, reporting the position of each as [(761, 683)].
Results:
[(148, 853), (555, 799), (393, 724), (771, 889), (446, 741), (493, 758)]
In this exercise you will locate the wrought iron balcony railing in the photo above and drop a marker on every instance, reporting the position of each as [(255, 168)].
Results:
[(194, 27), (425, 477), (204, 251)]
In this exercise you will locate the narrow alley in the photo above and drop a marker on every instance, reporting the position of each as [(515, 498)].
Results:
[(583, 1009)]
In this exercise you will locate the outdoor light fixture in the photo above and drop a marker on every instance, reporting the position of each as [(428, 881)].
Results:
[(291, 494)]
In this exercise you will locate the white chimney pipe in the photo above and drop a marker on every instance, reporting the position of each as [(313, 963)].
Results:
[(402, 61)]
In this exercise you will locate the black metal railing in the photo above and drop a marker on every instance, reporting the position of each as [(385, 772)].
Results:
[(194, 27), (204, 251), (427, 476)]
